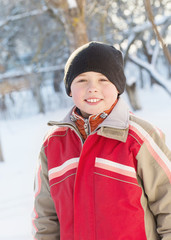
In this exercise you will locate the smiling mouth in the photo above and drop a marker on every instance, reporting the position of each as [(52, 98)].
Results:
[(92, 100)]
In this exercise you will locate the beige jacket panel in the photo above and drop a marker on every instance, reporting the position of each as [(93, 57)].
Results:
[(154, 164), (45, 221)]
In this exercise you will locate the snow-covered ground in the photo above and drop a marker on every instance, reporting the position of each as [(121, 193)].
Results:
[(21, 141)]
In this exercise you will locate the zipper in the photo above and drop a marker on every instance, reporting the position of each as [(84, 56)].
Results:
[(87, 126)]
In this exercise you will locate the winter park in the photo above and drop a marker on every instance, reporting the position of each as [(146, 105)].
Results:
[(36, 39)]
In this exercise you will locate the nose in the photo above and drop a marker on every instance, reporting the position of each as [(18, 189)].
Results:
[(92, 87)]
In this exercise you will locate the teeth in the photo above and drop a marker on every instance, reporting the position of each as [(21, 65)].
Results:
[(93, 100)]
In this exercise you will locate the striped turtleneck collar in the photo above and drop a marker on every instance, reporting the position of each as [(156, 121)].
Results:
[(88, 125)]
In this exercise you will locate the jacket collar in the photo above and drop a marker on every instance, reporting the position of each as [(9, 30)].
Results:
[(115, 126), (119, 116)]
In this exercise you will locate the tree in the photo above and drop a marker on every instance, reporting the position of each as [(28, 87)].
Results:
[(74, 21), (1, 155), (159, 37)]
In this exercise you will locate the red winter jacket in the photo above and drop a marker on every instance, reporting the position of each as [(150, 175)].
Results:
[(114, 186)]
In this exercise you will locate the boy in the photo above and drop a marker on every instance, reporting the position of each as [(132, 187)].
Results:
[(103, 174)]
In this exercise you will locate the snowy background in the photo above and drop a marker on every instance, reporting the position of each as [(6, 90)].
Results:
[(21, 141)]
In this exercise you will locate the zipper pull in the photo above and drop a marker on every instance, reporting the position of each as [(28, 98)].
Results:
[(86, 126), (103, 115)]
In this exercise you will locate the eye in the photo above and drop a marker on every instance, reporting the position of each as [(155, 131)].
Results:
[(81, 80), (104, 80)]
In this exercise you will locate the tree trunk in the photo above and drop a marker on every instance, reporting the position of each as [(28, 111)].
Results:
[(132, 95), (74, 21), (57, 78), (38, 96), (1, 154), (36, 90)]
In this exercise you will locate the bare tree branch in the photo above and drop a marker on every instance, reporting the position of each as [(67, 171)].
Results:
[(23, 15), (160, 39), (152, 71), (147, 25), (28, 70)]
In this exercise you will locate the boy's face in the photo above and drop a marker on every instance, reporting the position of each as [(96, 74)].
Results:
[(93, 93)]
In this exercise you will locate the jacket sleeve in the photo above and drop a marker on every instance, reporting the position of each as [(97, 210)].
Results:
[(45, 223), (154, 170)]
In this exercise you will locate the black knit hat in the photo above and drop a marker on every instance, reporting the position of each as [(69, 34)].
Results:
[(96, 57)]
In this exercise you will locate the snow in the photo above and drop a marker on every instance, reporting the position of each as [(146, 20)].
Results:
[(72, 3), (21, 140)]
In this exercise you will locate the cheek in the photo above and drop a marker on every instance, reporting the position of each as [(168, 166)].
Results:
[(110, 93), (76, 95)]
